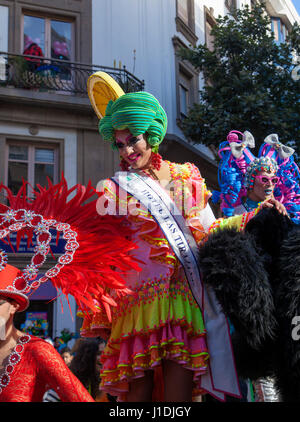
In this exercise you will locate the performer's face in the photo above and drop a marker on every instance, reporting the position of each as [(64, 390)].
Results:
[(101, 347), (135, 150), (5, 306), (67, 357), (8, 308), (263, 187)]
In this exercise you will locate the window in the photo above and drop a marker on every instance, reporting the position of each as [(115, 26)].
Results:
[(32, 163), (51, 38), (187, 83), (209, 23), (47, 37), (231, 5), (184, 93), (3, 28), (185, 19), (183, 10), (279, 29), (253, 3), (183, 100)]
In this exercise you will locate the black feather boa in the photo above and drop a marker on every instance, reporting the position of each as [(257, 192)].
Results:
[(256, 278), (231, 264), (287, 302)]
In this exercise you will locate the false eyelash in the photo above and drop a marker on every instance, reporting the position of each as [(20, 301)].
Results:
[(132, 141)]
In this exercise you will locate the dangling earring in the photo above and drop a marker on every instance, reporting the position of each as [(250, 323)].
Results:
[(156, 160), (124, 165)]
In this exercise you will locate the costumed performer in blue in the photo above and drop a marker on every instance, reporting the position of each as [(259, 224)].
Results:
[(246, 181)]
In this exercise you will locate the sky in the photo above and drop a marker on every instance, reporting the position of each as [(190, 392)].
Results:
[(297, 5)]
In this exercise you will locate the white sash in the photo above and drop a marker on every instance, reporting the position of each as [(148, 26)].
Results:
[(221, 377)]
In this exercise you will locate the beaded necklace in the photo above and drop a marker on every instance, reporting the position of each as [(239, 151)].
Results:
[(13, 359), (250, 205), (150, 173)]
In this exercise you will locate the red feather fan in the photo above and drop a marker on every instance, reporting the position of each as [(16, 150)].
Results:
[(98, 250)]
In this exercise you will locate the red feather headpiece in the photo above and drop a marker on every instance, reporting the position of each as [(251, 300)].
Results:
[(97, 248)]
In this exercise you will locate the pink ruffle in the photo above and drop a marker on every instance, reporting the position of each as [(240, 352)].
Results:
[(129, 359)]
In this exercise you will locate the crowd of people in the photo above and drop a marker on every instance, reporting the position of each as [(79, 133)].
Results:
[(83, 359), (158, 333)]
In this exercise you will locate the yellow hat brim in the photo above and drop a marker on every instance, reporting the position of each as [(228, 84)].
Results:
[(101, 89)]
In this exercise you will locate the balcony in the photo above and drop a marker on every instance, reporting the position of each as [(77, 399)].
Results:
[(57, 76)]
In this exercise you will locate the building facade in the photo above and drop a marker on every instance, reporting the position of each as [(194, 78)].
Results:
[(48, 48)]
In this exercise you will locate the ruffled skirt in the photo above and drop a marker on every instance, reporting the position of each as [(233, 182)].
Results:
[(161, 321)]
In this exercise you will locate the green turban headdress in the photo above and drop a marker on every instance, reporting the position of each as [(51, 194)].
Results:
[(139, 112)]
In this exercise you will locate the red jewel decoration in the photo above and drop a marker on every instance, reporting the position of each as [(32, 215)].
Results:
[(5, 380), (65, 259), (20, 283), (38, 259), (14, 358), (156, 160), (19, 348), (42, 228), (124, 165), (9, 369)]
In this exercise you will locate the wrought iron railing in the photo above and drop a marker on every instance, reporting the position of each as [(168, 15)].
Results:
[(44, 74)]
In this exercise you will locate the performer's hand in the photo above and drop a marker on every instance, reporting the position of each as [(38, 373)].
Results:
[(271, 203)]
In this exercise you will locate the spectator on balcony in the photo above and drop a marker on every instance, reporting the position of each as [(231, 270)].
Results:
[(33, 49), (60, 51)]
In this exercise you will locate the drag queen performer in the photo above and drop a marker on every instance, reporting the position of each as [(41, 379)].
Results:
[(245, 182), (29, 365), (161, 326)]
